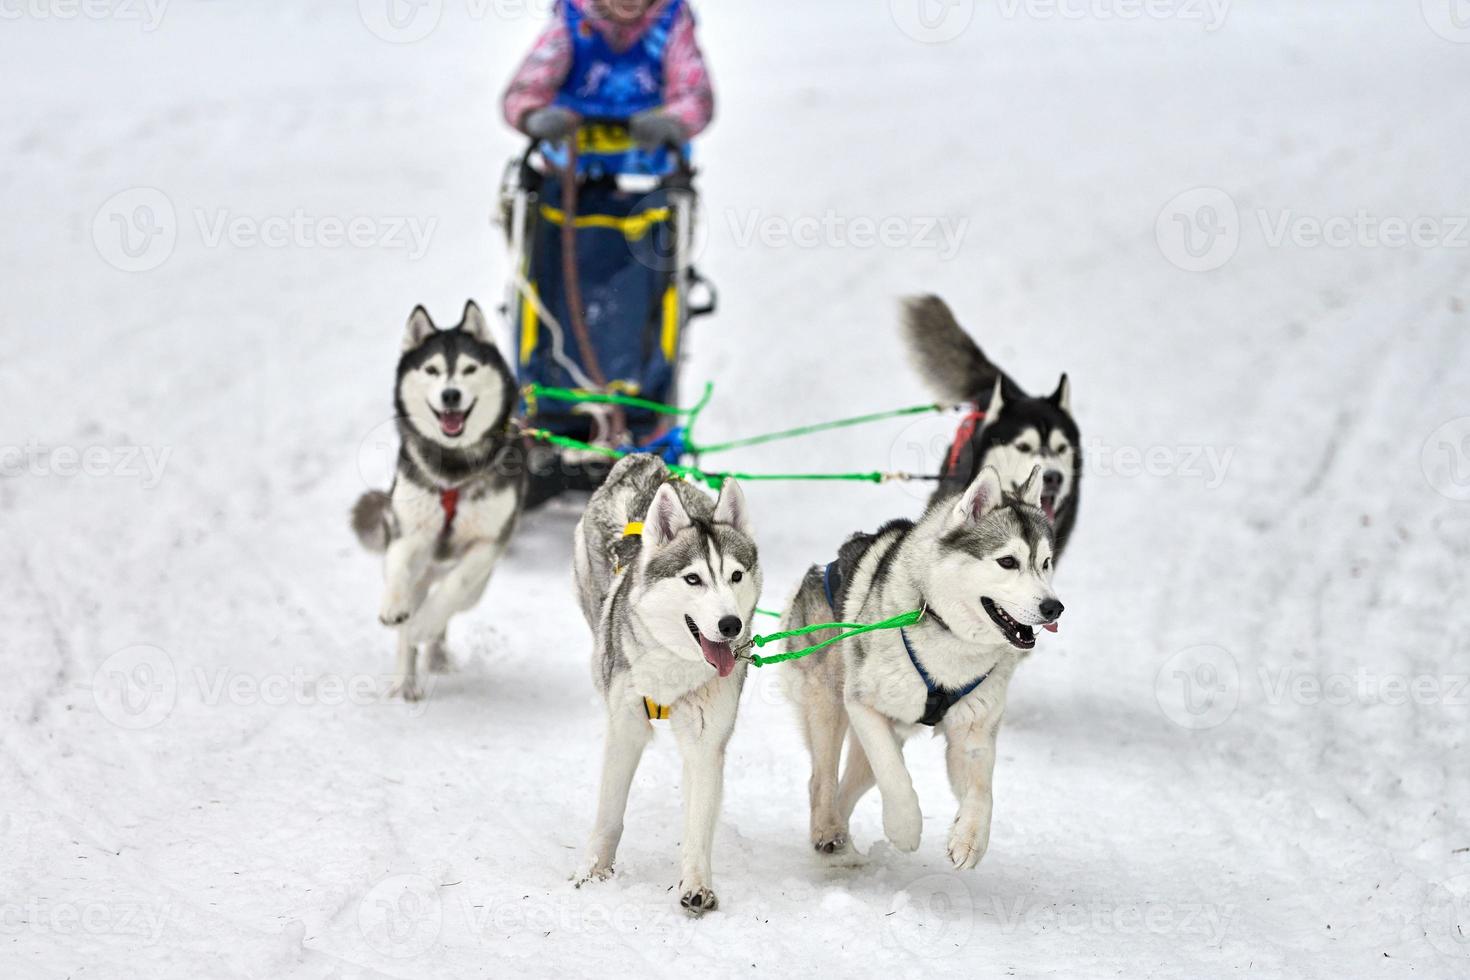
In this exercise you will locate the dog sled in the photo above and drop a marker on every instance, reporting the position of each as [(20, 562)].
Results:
[(602, 291)]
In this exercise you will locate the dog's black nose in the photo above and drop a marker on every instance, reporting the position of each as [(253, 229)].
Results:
[(1051, 481), (451, 397), (1051, 609), (730, 627)]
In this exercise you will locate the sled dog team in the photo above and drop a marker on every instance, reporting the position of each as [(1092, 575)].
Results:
[(669, 579)]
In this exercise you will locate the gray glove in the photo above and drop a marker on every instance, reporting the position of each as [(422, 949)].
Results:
[(656, 128), (553, 124)]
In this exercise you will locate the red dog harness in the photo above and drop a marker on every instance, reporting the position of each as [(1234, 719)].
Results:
[(449, 500), (968, 426)]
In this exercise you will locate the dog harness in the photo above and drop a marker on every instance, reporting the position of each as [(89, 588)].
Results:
[(968, 427), (449, 500), (654, 710), (940, 699)]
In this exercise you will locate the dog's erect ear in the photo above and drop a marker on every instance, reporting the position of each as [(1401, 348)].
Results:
[(420, 329), (1062, 397), (474, 324), (731, 509), (1030, 492), (666, 518), (980, 497), (997, 402)]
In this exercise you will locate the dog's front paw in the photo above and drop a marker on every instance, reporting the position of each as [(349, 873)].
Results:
[(902, 822), (829, 840), (408, 689), (394, 611), (968, 842), (697, 901), (439, 662), (599, 871)]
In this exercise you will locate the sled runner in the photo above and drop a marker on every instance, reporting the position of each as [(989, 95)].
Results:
[(602, 291)]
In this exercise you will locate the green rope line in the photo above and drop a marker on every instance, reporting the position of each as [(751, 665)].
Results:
[(766, 612), (715, 480), (804, 430), (849, 631), (535, 391)]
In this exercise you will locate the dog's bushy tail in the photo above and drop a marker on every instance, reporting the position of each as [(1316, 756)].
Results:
[(950, 362), (372, 520)]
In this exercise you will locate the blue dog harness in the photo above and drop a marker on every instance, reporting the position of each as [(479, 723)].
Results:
[(940, 699), (607, 86)]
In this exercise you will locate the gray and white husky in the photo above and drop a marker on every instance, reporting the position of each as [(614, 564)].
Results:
[(669, 604), (980, 565), (1017, 433), (458, 490)]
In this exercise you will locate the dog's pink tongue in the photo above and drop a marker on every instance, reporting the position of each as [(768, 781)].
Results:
[(1049, 507), (452, 423), (719, 655), (1049, 627)]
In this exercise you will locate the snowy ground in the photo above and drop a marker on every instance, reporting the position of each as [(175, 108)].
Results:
[(1244, 754)]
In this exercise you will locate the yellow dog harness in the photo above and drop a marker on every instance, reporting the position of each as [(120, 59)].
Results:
[(654, 710)]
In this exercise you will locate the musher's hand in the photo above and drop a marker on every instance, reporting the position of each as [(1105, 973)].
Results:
[(553, 124), (656, 128)]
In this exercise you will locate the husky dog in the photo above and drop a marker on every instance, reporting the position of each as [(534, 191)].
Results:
[(980, 566), (1017, 432), (668, 583), (458, 490)]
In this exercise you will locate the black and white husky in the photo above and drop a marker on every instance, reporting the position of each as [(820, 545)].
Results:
[(458, 491), (980, 565), (1017, 433), (668, 582)]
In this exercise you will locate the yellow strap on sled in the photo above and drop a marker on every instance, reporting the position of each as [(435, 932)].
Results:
[(633, 227), (656, 711)]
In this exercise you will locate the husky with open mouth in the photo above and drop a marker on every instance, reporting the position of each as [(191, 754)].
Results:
[(1016, 432), (980, 566), (668, 582), (458, 491)]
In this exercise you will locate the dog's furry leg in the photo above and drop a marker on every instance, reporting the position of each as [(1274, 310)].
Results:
[(704, 783), (857, 778), (406, 684), (437, 654), (903, 823), (971, 758), (456, 592), (404, 573), (628, 733), (824, 723)]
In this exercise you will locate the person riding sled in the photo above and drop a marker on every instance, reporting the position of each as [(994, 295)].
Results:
[(610, 96)]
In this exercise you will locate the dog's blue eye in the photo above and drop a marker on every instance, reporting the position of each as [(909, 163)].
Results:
[(1008, 563), (693, 579), (737, 576)]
